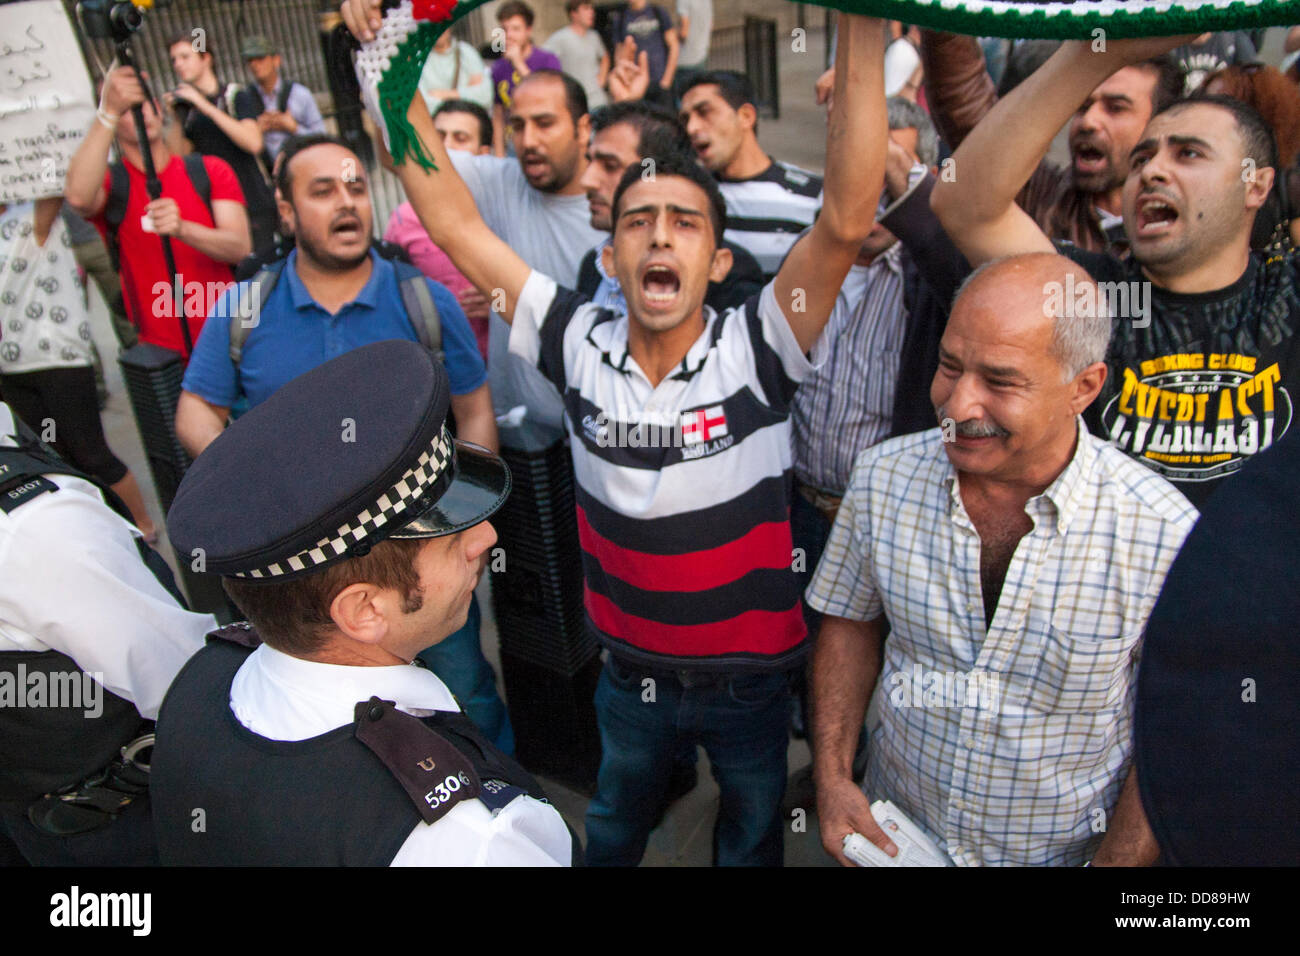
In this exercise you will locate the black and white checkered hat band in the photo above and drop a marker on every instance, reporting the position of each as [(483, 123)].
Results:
[(391, 505)]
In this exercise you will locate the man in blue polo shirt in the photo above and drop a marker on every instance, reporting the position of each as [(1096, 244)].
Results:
[(333, 295)]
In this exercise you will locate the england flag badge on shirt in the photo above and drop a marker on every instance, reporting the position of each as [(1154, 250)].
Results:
[(703, 424)]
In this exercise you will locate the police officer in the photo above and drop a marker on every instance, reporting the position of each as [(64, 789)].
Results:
[(350, 528), (91, 634)]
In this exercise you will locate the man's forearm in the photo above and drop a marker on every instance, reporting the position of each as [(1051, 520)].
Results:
[(670, 69), (958, 88), (243, 133), (1128, 840), (475, 420), (996, 160), (855, 150), (87, 167), (198, 423), (224, 245), (846, 664)]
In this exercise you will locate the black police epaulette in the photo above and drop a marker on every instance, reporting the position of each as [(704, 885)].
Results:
[(434, 774), (241, 633)]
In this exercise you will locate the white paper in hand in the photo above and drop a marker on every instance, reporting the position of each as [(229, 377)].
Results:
[(914, 847)]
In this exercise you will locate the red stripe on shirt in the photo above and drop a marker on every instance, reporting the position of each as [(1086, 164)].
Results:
[(754, 632), (767, 545)]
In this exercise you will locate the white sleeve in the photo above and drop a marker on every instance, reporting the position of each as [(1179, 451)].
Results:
[(779, 337), (71, 580), (530, 313), (526, 832)]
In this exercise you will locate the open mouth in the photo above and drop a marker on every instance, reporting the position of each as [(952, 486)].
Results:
[(1155, 217), (701, 147), (1088, 158), (660, 285), (348, 229)]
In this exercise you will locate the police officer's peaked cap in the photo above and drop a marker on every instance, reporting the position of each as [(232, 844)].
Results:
[(353, 452)]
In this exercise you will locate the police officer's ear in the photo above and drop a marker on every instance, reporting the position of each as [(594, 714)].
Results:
[(362, 611)]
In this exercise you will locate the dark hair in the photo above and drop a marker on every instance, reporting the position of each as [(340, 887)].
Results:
[(571, 5), (187, 37), (297, 144), (294, 616), (735, 88), (682, 164), (474, 110), (1256, 135), (659, 129), (575, 97), (515, 8), (1169, 81)]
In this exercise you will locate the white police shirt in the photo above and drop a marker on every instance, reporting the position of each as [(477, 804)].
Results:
[(286, 698), (71, 580)]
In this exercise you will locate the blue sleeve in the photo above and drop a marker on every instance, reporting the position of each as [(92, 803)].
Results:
[(465, 368), (307, 112), (211, 375)]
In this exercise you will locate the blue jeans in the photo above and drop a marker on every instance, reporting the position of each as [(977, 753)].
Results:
[(741, 722), (459, 662)]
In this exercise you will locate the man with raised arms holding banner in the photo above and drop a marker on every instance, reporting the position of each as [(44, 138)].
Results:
[(686, 546)]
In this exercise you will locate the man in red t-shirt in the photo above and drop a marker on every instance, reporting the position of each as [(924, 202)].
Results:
[(205, 244)]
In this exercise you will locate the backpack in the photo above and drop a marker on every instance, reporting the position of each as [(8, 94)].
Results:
[(120, 188), (411, 283)]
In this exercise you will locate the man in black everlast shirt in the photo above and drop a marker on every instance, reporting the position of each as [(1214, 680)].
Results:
[(220, 120), (1203, 362)]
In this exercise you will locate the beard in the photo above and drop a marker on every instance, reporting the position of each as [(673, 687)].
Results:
[(317, 253), (1100, 181), (555, 176)]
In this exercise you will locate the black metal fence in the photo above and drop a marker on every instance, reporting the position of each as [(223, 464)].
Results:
[(751, 49)]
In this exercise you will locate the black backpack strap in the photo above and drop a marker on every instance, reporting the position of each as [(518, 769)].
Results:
[(199, 178), (259, 288), (282, 97), (421, 311), (115, 209)]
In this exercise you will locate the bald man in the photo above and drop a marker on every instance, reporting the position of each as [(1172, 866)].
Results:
[(1016, 557)]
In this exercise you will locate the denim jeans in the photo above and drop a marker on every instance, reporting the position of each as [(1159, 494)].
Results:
[(740, 721), (459, 662)]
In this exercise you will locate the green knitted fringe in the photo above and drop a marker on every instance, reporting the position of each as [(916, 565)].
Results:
[(1029, 23)]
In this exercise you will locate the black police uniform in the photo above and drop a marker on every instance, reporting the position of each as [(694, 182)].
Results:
[(351, 453)]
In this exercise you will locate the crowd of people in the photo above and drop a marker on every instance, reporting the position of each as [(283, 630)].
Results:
[(924, 458)]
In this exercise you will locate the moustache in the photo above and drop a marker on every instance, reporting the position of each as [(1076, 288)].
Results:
[(974, 428)]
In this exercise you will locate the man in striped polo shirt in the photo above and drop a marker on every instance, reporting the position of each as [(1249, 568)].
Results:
[(679, 421), (769, 203)]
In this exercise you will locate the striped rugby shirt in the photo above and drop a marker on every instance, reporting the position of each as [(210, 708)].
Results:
[(766, 213), (684, 523)]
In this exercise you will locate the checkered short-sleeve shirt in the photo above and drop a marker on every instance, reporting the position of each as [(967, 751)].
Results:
[(1008, 745)]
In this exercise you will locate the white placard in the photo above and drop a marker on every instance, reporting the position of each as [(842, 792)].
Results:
[(46, 102)]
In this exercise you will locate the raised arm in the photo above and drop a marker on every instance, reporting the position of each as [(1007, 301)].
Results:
[(978, 205), (441, 199), (84, 186), (448, 213), (856, 133)]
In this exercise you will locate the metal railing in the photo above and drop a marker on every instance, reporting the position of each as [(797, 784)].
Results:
[(751, 49)]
